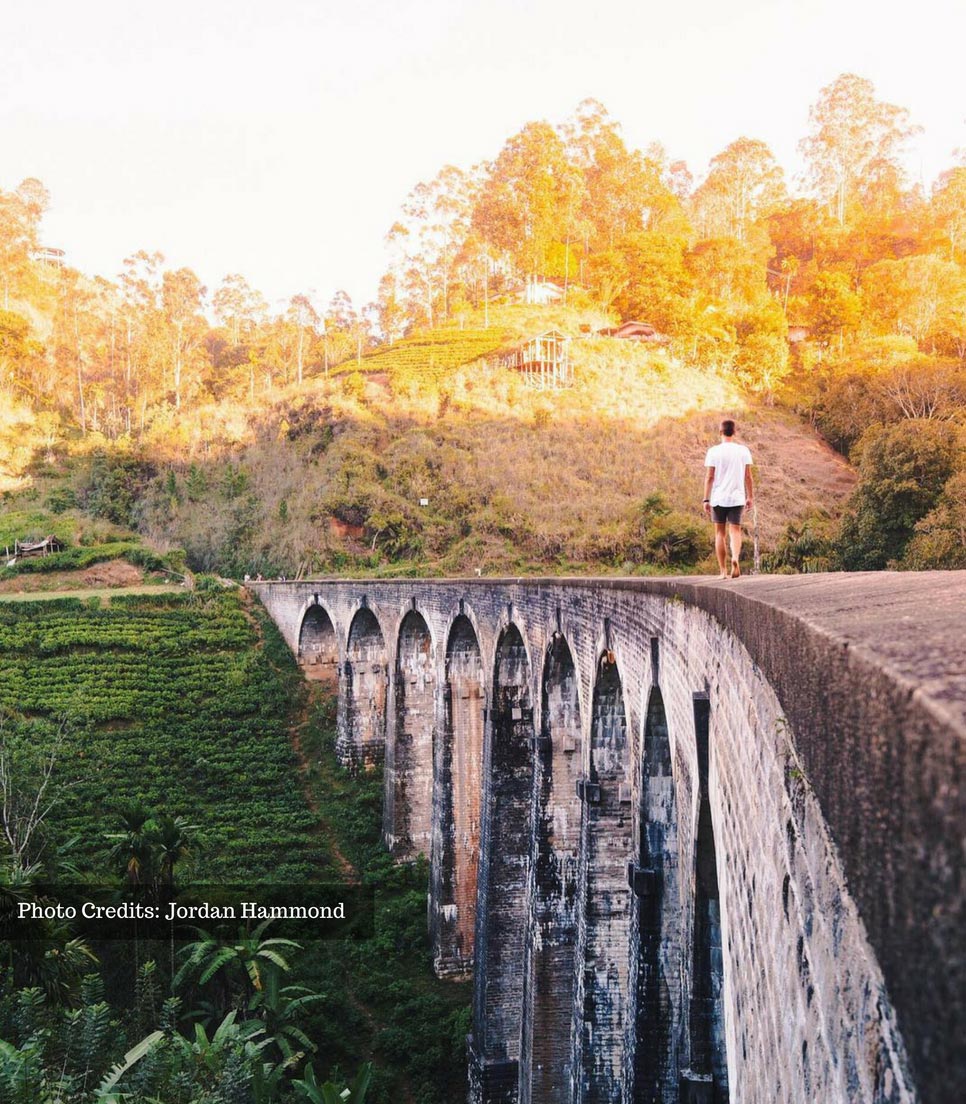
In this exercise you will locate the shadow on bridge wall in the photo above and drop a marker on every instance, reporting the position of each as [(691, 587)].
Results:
[(624, 847)]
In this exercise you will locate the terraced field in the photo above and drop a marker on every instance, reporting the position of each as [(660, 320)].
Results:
[(174, 702), (428, 355)]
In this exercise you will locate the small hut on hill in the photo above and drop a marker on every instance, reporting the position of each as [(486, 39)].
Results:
[(634, 331), (45, 547), (23, 550), (544, 360), (538, 291)]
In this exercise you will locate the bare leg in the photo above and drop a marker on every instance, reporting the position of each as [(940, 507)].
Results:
[(720, 548), (734, 534)]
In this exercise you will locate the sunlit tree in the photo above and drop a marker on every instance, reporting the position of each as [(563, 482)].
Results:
[(744, 184), (852, 133)]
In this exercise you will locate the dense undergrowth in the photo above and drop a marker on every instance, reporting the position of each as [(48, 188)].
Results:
[(191, 707)]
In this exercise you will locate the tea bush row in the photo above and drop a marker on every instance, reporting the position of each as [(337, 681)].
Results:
[(173, 704)]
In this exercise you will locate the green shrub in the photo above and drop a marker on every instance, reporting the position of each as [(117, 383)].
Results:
[(62, 499), (940, 537), (903, 469), (805, 546), (354, 386), (114, 484), (666, 537)]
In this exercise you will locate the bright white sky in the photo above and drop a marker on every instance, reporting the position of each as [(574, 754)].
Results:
[(278, 139)]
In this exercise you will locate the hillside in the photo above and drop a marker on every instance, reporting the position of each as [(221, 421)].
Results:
[(333, 474)]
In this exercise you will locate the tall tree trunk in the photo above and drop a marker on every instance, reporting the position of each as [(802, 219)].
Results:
[(178, 353), (82, 409), (80, 395), (301, 347)]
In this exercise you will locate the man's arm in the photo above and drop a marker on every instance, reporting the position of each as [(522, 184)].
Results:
[(708, 480), (749, 489)]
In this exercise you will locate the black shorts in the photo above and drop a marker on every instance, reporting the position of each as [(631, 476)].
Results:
[(729, 514)]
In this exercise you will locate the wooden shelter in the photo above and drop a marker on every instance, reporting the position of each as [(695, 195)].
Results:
[(24, 549), (544, 360)]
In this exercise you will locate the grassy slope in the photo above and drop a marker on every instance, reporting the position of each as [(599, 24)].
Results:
[(195, 705), (517, 480), (329, 475)]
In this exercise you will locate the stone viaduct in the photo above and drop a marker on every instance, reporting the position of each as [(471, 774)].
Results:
[(695, 841)]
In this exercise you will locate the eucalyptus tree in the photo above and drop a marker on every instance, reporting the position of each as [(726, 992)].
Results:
[(853, 135)]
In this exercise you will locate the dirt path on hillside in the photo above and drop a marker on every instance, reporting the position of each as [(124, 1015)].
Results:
[(110, 573), (19, 595), (301, 722)]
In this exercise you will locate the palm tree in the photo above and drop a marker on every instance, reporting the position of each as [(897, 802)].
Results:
[(248, 956), (173, 843), (279, 1007), (135, 854), (135, 849)]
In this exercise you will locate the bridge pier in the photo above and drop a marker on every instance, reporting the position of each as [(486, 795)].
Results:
[(665, 898), (707, 1050), (505, 856), (546, 1059), (411, 751), (656, 916), (603, 946), (456, 812)]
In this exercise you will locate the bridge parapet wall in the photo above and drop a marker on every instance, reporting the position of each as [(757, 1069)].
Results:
[(835, 712)]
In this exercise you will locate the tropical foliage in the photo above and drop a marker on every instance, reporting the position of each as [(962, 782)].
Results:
[(154, 736)]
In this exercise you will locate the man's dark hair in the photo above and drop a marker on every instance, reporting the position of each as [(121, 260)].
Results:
[(727, 428)]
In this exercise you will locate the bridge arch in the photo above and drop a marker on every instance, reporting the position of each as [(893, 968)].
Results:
[(409, 757), (458, 782), (549, 965), (362, 700), (318, 645)]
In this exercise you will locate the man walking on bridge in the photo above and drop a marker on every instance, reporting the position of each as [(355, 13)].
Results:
[(727, 490)]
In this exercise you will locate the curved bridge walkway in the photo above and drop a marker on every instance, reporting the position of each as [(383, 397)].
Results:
[(695, 841)]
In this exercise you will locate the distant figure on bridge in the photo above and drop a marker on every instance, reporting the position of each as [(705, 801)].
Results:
[(727, 491)]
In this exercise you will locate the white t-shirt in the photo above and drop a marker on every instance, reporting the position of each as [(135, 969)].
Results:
[(729, 460)]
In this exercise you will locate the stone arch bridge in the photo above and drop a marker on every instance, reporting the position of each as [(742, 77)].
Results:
[(695, 841)]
